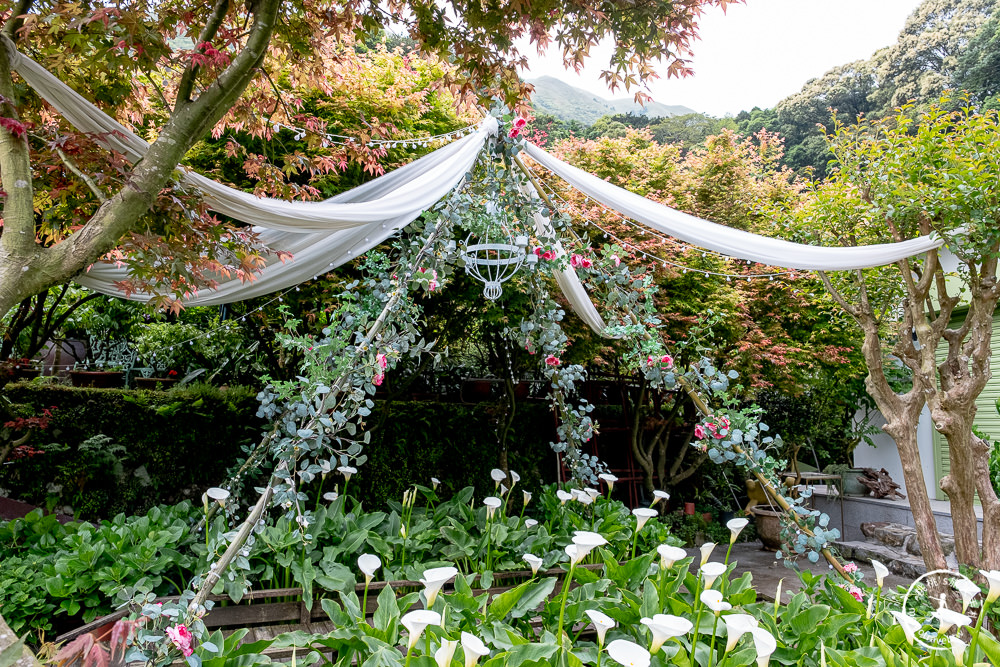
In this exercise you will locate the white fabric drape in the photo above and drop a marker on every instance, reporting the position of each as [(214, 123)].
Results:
[(732, 242)]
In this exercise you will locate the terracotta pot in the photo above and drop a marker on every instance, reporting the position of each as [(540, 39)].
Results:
[(768, 523), (707, 517), (689, 509), (154, 383), (97, 379)]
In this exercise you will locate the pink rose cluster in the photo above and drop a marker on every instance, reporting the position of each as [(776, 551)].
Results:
[(432, 284), (666, 361), (381, 362), (546, 254), (552, 360), (516, 128), (579, 261), (181, 638), (716, 428)]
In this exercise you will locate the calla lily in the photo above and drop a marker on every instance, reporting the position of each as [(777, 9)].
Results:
[(735, 527), (498, 476), (530, 523), (669, 555), (527, 497), (712, 571), (563, 496), (608, 479), (514, 478), (881, 571), (474, 648), (582, 497), (706, 551), (949, 619), (713, 600), (446, 652), (737, 625), (573, 553), (435, 483), (765, 644), (330, 496), (434, 579), (587, 541), (628, 654), (642, 515), (369, 564), (347, 471), (503, 490), (909, 624), (416, 621), (664, 627), (993, 577), (534, 561), (593, 493), (602, 623), (658, 496), (492, 503), (218, 495), (968, 590), (958, 650)]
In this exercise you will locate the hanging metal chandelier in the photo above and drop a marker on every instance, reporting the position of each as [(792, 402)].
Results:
[(494, 258)]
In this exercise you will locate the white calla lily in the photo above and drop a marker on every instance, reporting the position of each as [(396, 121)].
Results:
[(527, 497), (433, 579), (737, 625), (330, 496), (530, 523), (968, 590), (446, 652), (658, 496), (909, 624), (958, 650), (993, 577), (218, 495), (533, 561), (474, 648), (347, 471), (765, 644), (593, 493), (602, 623), (608, 479), (587, 541), (563, 496), (514, 478), (498, 476), (669, 555), (664, 627), (369, 565), (628, 654), (736, 527), (712, 571), (573, 553), (492, 504), (706, 551), (712, 599), (881, 572), (435, 483), (949, 619), (642, 515), (415, 622)]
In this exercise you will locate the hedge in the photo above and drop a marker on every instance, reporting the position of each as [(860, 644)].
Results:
[(109, 451)]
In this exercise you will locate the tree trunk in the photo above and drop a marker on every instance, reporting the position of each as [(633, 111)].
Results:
[(990, 504), (960, 485)]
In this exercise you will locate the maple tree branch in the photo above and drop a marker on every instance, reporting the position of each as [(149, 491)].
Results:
[(88, 181), (15, 20), (207, 34)]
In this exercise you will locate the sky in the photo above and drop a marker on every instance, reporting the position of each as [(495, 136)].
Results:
[(756, 54)]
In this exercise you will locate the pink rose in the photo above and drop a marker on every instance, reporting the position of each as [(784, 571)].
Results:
[(432, 285), (377, 380), (856, 592), (575, 260), (513, 132), (549, 254), (552, 360), (614, 258), (538, 251), (649, 360), (181, 638), (667, 360), (381, 360), (586, 262), (699, 432), (520, 122), (851, 568)]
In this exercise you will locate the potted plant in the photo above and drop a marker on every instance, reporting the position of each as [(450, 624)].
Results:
[(171, 378), (98, 377)]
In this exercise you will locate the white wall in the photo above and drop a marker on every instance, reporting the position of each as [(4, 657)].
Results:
[(885, 454)]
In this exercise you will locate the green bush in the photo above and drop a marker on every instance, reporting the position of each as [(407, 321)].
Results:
[(109, 451)]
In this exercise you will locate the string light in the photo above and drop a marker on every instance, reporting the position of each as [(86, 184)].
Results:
[(332, 139)]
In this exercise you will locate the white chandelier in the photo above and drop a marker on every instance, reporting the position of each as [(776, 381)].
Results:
[(495, 258)]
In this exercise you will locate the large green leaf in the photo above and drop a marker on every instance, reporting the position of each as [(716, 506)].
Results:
[(521, 599)]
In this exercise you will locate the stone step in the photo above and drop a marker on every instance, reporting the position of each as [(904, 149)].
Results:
[(902, 537), (898, 561)]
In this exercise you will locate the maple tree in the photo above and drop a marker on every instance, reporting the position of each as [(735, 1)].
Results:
[(176, 73)]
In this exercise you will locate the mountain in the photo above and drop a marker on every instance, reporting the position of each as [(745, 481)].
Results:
[(567, 102)]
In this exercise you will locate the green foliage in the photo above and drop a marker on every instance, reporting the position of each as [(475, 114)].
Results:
[(114, 451)]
